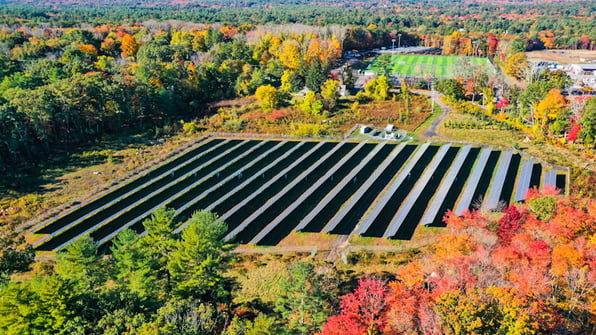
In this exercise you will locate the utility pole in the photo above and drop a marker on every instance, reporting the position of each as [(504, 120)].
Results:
[(399, 40), (432, 97)]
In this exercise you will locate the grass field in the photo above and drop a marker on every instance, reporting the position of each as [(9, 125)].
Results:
[(425, 65)]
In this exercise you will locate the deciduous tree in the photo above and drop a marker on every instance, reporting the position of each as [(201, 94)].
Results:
[(330, 94), (588, 123), (549, 108), (129, 45), (269, 97), (363, 311), (517, 65)]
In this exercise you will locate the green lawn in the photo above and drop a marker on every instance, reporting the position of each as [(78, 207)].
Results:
[(425, 65)]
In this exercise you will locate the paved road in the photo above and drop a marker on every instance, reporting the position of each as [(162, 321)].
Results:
[(431, 131)]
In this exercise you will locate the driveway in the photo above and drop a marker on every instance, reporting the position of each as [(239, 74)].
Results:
[(431, 131)]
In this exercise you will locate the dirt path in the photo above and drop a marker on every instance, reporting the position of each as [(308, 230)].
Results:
[(338, 247), (431, 131)]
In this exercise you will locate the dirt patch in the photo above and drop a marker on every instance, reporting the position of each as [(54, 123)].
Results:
[(379, 113), (562, 56)]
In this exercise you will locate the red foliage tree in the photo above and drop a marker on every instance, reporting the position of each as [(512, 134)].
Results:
[(493, 43), (574, 131), (509, 224), (410, 310), (362, 311)]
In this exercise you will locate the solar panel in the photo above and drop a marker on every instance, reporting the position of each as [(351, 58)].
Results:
[(524, 181), (550, 178), (433, 209), (492, 201), (472, 184), (288, 187), (362, 189)]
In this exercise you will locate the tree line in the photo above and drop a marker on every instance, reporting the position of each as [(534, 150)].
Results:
[(60, 87), (530, 271)]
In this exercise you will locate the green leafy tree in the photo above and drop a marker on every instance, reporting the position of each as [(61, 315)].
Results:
[(156, 51), (6, 66), (81, 264), (451, 88), (120, 322), (348, 79), (132, 264), (330, 94), (315, 76), (200, 257), (184, 317), (543, 207), (517, 45), (310, 104), (303, 303), (588, 123), (262, 325), (80, 36), (43, 306), (159, 242)]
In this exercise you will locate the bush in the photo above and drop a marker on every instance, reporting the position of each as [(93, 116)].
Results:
[(543, 207), (306, 129), (233, 125)]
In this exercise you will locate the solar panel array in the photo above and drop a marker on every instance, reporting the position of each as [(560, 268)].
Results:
[(266, 188)]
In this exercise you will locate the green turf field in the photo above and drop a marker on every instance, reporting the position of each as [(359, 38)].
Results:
[(429, 66)]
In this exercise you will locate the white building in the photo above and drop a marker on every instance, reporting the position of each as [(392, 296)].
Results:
[(582, 75)]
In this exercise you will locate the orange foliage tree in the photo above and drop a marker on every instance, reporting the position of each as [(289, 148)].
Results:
[(548, 109), (129, 45)]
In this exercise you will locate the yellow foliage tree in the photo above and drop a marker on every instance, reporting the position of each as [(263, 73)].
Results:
[(87, 48), (378, 88), (199, 41), (289, 54), (129, 45), (334, 50), (549, 108), (286, 85), (269, 97), (517, 65)]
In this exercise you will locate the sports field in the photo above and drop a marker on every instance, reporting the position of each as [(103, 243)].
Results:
[(428, 66)]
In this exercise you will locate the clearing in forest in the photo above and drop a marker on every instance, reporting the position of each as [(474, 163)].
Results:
[(266, 189)]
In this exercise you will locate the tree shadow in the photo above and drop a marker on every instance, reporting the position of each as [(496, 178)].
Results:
[(33, 177)]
